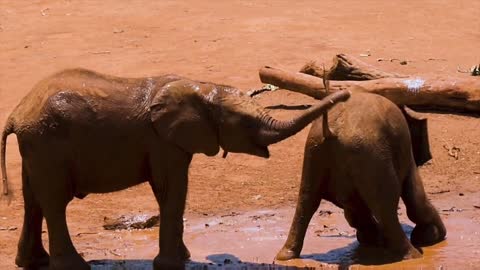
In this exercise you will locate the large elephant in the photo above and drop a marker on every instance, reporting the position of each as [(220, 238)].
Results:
[(369, 163), (82, 132)]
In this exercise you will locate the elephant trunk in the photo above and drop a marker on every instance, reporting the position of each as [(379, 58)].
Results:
[(275, 130)]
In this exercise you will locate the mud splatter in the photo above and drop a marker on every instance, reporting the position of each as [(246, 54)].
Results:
[(414, 85)]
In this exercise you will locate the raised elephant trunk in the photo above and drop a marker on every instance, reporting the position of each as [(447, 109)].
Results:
[(275, 130)]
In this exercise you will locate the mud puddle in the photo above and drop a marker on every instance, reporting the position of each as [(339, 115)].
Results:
[(250, 240)]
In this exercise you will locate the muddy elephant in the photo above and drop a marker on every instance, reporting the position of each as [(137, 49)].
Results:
[(82, 132), (365, 168)]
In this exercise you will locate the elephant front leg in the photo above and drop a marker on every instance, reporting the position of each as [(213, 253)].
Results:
[(170, 188)]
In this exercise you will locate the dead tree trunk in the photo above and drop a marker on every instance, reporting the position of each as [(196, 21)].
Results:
[(347, 68), (450, 93)]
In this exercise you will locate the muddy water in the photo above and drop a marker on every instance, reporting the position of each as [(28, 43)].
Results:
[(250, 240)]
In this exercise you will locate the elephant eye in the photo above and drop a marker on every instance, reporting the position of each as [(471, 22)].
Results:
[(158, 106)]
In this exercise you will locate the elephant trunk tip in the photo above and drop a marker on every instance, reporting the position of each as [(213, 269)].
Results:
[(276, 131)]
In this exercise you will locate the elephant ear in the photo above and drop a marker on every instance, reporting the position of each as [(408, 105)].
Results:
[(419, 135), (180, 116)]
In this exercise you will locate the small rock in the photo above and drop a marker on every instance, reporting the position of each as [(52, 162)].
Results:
[(10, 228), (131, 222), (232, 214), (257, 197), (453, 209), (324, 213), (44, 11), (367, 54)]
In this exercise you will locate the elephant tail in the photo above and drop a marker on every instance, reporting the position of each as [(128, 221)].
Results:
[(7, 130)]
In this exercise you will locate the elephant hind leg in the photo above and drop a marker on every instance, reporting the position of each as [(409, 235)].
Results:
[(31, 253), (51, 188), (360, 218), (303, 214), (429, 227), (382, 199), (309, 197)]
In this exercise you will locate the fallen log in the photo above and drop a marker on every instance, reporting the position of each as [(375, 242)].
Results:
[(346, 68), (447, 93)]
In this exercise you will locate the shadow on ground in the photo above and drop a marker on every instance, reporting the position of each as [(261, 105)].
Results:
[(216, 262)]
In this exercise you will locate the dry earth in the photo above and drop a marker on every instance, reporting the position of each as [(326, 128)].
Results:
[(227, 42)]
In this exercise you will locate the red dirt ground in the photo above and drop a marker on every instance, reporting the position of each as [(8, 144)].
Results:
[(227, 42)]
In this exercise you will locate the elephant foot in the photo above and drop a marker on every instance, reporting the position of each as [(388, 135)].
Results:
[(32, 261), (426, 235), (70, 262), (162, 263), (184, 252), (412, 253), (287, 254), (407, 252), (370, 238)]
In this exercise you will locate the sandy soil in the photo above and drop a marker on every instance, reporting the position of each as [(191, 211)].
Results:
[(227, 43)]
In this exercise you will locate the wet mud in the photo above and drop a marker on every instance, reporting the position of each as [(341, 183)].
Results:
[(250, 240)]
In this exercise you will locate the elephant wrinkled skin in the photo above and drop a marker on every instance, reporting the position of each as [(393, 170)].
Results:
[(365, 168), (82, 132)]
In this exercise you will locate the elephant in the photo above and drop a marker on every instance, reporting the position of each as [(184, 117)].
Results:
[(82, 132), (368, 163)]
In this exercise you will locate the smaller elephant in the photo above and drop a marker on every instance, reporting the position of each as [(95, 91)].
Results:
[(365, 168)]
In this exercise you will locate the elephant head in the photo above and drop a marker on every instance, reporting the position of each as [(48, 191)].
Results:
[(201, 117)]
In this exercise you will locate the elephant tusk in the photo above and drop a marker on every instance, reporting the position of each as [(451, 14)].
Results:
[(225, 153)]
